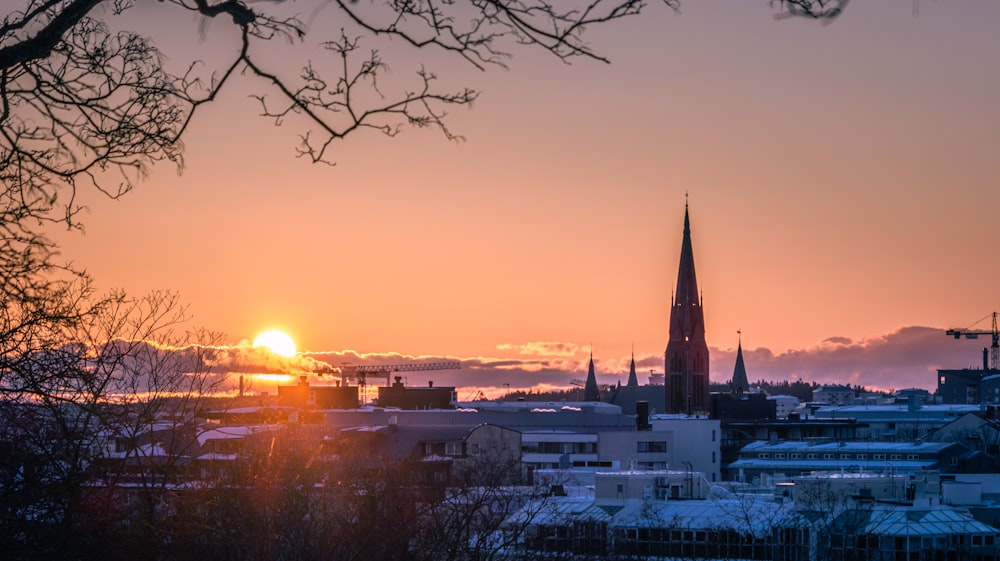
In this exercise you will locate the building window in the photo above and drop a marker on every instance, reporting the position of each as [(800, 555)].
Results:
[(454, 449), (896, 457), (779, 455), (796, 456), (713, 456), (862, 456), (812, 456), (911, 457), (829, 456), (879, 456), (713, 435), (763, 456), (845, 456), (655, 446)]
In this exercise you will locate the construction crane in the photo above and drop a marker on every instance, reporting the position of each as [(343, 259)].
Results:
[(362, 372), (994, 349)]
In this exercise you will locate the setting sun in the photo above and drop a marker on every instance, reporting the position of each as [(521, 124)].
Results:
[(277, 342)]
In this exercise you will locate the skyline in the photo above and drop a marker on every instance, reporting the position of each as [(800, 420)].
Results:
[(841, 180)]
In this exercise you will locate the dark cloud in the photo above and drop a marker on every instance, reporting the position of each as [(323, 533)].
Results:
[(838, 340), (907, 357)]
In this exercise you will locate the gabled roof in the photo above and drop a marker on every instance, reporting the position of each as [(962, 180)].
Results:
[(401, 440)]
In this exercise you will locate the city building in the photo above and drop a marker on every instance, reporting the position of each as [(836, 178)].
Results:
[(896, 422), (760, 460), (427, 397), (819, 517), (784, 405), (978, 430), (969, 386), (631, 393), (834, 395), (304, 396)]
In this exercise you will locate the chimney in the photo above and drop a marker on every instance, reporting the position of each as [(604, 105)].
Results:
[(986, 358), (430, 383)]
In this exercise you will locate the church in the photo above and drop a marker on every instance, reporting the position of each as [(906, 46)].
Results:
[(686, 357)]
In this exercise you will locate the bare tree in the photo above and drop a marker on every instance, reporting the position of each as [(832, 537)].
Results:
[(71, 386), (83, 105)]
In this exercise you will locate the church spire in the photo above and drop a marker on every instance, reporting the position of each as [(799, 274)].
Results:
[(740, 385), (686, 291), (590, 391), (686, 358), (633, 380)]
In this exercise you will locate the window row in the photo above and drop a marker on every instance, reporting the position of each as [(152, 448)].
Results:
[(834, 456)]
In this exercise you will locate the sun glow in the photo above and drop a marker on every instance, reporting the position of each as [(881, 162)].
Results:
[(277, 342)]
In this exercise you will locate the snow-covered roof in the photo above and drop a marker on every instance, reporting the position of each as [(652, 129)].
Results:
[(924, 412), (926, 521), (745, 514), (230, 433)]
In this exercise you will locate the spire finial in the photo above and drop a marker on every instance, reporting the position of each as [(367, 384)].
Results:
[(739, 337)]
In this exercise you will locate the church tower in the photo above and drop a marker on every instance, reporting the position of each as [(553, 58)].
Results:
[(590, 390), (740, 384), (686, 360), (633, 380)]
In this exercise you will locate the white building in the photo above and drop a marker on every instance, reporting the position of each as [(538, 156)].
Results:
[(834, 395), (697, 442), (784, 404)]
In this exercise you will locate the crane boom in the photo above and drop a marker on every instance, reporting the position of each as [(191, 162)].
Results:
[(994, 348), (361, 372)]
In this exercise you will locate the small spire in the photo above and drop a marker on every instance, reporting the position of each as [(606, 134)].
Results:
[(740, 384), (590, 391), (633, 380)]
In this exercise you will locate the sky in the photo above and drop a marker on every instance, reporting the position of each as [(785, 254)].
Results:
[(841, 181)]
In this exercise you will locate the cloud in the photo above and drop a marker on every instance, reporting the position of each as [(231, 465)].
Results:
[(838, 340), (543, 348), (907, 357)]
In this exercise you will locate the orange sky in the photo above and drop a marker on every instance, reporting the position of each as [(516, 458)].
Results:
[(842, 180)]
